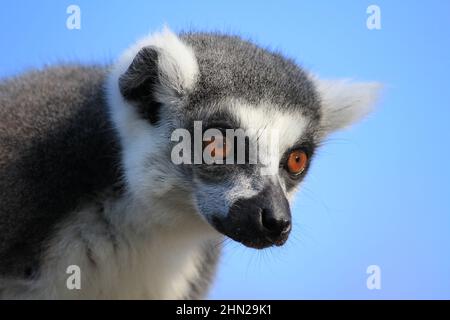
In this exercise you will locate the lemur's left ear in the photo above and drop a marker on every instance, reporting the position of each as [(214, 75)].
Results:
[(158, 70), (344, 103)]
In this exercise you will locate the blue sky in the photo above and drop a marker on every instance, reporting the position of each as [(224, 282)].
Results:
[(377, 194)]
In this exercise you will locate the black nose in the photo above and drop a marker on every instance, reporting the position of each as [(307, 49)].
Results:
[(260, 221), (273, 224)]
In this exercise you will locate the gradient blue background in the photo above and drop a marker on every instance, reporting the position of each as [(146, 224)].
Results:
[(377, 194)]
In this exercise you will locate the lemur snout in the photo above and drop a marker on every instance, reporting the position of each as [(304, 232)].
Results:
[(260, 221), (273, 225)]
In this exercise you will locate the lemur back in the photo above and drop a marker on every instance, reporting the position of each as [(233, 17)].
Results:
[(59, 168), (58, 149)]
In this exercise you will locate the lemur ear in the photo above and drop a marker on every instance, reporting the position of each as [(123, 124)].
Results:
[(160, 69), (344, 102), (137, 85), (141, 76)]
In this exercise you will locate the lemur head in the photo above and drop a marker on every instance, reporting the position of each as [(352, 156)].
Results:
[(195, 90)]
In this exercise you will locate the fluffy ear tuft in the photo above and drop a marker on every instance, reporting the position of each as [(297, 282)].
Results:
[(176, 64), (345, 102), (158, 70)]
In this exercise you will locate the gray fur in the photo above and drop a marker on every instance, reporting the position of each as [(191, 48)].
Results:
[(233, 68), (57, 150), (58, 153)]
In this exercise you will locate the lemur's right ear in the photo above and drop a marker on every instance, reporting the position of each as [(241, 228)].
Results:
[(344, 103), (159, 70)]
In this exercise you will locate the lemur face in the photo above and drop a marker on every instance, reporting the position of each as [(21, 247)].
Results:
[(218, 125), (264, 153)]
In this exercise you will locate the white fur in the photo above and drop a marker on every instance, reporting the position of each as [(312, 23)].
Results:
[(345, 102), (289, 127), (158, 238), (178, 70), (155, 264)]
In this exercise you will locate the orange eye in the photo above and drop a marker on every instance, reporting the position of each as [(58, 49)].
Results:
[(216, 147), (296, 162)]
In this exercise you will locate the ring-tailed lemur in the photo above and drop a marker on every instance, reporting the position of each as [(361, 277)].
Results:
[(86, 176)]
